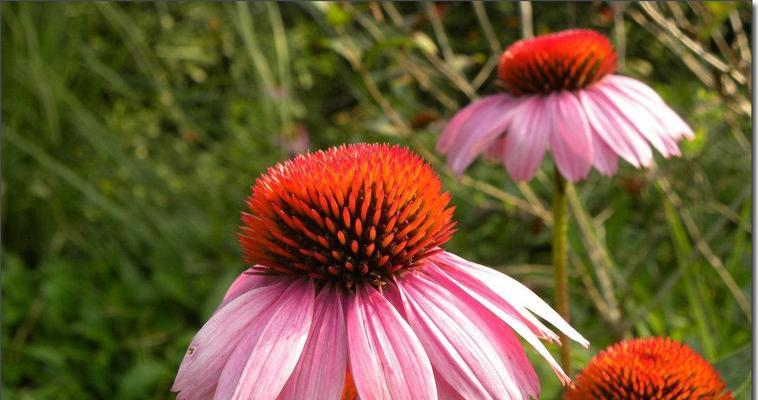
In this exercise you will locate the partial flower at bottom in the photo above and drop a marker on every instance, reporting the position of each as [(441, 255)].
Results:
[(648, 369), (350, 293)]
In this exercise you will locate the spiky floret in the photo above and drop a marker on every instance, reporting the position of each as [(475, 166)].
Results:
[(567, 60), (648, 369), (354, 213)]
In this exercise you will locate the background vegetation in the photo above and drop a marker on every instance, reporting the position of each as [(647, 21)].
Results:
[(132, 134)]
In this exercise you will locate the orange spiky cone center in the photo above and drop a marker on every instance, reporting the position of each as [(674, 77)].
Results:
[(648, 369), (567, 60), (351, 214)]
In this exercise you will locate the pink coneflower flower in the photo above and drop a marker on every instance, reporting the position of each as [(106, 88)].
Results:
[(561, 93), (648, 369), (349, 284)]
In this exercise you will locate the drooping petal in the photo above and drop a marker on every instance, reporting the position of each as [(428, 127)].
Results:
[(647, 96), (235, 365), (320, 372), (460, 343), (604, 159), (453, 129), (617, 133), (570, 139), (642, 121), (481, 130), (503, 310), (208, 353), (387, 360), (245, 281), (604, 131), (492, 301), (508, 289), (526, 139), (661, 122), (274, 345)]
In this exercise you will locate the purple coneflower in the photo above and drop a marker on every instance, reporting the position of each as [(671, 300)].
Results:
[(561, 93), (349, 286)]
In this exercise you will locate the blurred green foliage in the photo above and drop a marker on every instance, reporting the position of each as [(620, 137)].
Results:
[(132, 133)]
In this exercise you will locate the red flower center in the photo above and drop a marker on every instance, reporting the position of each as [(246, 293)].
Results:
[(648, 369), (356, 213), (567, 60)]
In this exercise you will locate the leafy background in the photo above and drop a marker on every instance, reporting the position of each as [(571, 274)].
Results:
[(132, 134)]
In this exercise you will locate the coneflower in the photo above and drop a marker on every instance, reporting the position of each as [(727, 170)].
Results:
[(348, 285), (561, 93), (648, 369)]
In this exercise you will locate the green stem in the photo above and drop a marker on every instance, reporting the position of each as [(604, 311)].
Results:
[(560, 261)]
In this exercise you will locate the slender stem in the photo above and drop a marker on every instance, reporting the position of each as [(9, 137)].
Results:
[(560, 261), (525, 8)]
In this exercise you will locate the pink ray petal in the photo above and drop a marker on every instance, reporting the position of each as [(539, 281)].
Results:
[(452, 131), (503, 310), (604, 158), (480, 131), (646, 95), (614, 129), (508, 289), (526, 139), (635, 115), (444, 390), (200, 369), (609, 134), (320, 372), (654, 106), (387, 360), (245, 281), (459, 342), (664, 123), (491, 300), (570, 136), (274, 345), (235, 364)]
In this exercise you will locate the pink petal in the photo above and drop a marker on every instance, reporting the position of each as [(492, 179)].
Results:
[(617, 133), (244, 282), (604, 158), (460, 343), (604, 130), (320, 372), (444, 390), (663, 123), (645, 95), (636, 116), (387, 360), (503, 310), (453, 129), (200, 369), (274, 345), (481, 130), (507, 288), (570, 139), (527, 139), (235, 365)]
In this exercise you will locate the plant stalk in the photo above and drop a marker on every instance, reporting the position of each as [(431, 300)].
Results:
[(560, 261)]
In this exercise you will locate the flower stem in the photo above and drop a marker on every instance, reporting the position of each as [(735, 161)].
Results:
[(560, 261)]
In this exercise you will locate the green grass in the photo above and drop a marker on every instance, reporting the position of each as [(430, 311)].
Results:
[(132, 133)]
